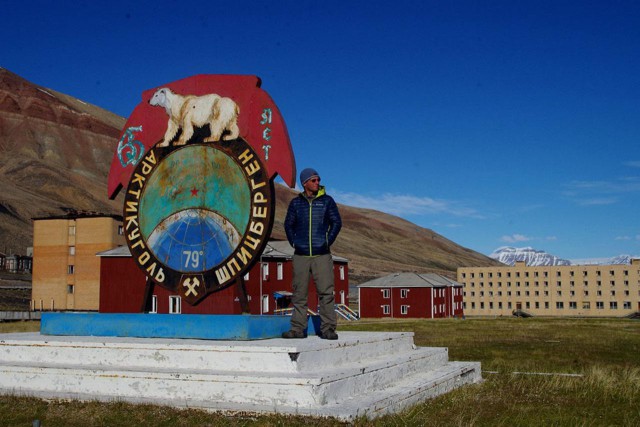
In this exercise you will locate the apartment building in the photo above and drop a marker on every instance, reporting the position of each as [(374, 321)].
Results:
[(575, 290), (66, 270)]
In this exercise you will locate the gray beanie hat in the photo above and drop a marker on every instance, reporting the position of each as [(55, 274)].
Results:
[(307, 174)]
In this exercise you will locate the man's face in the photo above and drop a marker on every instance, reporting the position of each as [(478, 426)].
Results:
[(312, 185)]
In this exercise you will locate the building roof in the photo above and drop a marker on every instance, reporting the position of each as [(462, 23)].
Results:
[(282, 249), (274, 249), (410, 280), (120, 251), (80, 214)]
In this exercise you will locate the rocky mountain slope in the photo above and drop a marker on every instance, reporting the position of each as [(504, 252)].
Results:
[(55, 154)]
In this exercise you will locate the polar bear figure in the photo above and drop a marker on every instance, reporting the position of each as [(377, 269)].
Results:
[(185, 112)]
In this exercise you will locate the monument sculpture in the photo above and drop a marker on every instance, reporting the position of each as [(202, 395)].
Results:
[(198, 180)]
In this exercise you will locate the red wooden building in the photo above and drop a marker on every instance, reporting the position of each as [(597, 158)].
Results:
[(123, 286), (411, 295)]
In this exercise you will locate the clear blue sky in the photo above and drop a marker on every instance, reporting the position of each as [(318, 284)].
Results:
[(493, 123)]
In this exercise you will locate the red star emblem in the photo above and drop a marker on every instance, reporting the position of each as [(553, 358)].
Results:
[(194, 192)]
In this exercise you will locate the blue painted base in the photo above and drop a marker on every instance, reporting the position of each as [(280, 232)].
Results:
[(198, 326)]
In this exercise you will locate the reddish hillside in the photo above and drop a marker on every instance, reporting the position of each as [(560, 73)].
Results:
[(55, 153)]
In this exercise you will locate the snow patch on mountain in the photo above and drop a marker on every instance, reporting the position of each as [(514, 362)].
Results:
[(510, 255), (532, 257)]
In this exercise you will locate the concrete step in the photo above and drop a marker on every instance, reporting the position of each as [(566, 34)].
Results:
[(360, 374), (274, 355)]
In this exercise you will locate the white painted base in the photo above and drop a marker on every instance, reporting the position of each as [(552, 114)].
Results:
[(361, 374)]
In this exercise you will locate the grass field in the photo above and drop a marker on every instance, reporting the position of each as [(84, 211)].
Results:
[(564, 372)]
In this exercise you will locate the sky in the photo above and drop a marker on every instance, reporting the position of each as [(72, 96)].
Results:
[(495, 123)]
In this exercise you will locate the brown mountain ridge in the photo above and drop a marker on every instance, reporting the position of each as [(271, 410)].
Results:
[(55, 154)]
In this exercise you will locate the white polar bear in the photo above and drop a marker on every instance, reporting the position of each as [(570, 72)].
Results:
[(185, 112)]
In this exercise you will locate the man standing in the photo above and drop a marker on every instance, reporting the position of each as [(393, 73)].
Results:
[(312, 225)]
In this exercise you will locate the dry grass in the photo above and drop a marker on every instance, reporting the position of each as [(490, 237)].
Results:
[(601, 355)]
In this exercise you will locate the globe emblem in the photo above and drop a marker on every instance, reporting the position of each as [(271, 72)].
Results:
[(193, 240), (195, 208)]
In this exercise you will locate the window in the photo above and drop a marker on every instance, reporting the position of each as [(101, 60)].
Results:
[(386, 309), (246, 276), (386, 293), (154, 304), (491, 305), (404, 309), (509, 305), (500, 305), (120, 230), (627, 305), (537, 304), (279, 269), (586, 305), (404, 293), (599, 305), (70, 289), (527, 305), (70, 269), (175, 305), (72, 250), (546, 305), (72, 230), (613, 305), (265, 271), (341, 269), (559, 305), (573, 305)]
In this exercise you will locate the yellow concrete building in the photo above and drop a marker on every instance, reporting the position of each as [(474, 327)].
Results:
[(66, 270), (576, 290)]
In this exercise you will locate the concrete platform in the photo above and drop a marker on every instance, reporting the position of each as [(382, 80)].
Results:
[(361, 374)]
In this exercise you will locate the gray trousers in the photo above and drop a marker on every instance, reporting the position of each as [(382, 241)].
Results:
[(321, 267)]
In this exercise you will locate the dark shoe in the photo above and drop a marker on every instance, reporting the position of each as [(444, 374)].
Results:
[(293, 334), (329, 335)]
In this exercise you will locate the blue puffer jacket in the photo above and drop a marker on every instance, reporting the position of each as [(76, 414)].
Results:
[(312, 225)]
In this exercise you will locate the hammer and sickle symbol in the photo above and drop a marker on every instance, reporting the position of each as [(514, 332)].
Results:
[(191, 286)]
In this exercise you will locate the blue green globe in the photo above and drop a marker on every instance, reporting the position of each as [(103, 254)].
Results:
[(195, 208)]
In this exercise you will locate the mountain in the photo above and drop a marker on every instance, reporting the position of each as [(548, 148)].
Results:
[(620, 259), (509, 255), (55, 155)]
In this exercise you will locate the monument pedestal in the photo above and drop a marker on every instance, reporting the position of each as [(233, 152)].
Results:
[(361, 374)]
